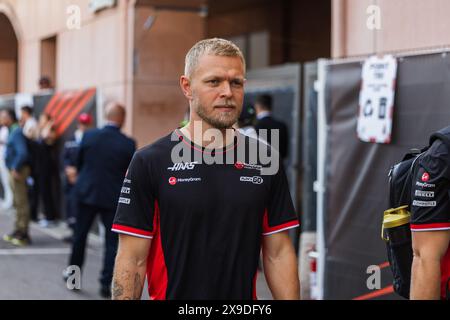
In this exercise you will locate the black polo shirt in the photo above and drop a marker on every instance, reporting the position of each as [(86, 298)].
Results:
[(206, 220)]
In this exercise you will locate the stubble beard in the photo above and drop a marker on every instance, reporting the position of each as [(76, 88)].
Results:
[(222, 121)]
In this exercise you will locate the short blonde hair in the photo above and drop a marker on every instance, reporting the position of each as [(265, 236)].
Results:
[(213, 46)]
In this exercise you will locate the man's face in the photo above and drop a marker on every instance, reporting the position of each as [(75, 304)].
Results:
[(216, 90), (5, 119), (83, 127), (23, 117)]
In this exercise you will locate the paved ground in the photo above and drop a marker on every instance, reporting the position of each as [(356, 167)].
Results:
[(34, 272)]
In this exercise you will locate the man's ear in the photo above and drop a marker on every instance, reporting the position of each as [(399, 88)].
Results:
[(185, 85)]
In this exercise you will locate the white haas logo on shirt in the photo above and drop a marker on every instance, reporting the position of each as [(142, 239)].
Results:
[(182, 166)]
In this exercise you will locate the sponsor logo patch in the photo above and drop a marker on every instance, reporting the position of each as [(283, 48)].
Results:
[(182, 166), (241, 165), (124, 200), (418, 203), (254, 180), (425, 177), (174, 181), (424, 194), (425, 185), (125, 190)]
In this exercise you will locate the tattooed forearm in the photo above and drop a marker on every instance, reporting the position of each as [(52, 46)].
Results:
[(132, 289), (130, 268)]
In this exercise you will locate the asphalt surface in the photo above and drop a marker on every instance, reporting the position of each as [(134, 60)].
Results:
[(35, 272)]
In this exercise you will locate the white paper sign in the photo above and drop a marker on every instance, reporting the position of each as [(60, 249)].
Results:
[(376, 99)]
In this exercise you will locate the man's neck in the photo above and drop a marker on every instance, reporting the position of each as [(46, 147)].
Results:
[(195, 131), (112, 124)]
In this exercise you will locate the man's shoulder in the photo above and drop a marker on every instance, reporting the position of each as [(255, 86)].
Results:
[(129, 140), (31, 122), (277, 123), (251, 142), (439, 149), (17, 133), (91, 132)]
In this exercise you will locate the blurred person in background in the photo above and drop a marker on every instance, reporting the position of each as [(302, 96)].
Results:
[(30, 130), (16, 159), (246, 121), (265, 120), (48, 170), (185, 120), (103, 159), (70, 154), (28, 123), (45, 84), (4, 175), (430, 223)]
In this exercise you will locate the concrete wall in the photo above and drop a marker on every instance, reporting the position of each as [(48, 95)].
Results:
[(8, 56), (159, 52), (96, 55), (299, 31), (112, 52), (405, 25)]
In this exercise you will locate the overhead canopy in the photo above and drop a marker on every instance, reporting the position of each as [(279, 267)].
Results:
[(64, 107)]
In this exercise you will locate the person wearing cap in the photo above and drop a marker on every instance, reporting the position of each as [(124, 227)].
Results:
[(70, 153)]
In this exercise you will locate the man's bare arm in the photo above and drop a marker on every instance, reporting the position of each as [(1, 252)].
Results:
[(130, 267), (280, 266), (429, 247)]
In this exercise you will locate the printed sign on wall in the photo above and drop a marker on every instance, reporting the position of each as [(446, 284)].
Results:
[(376, 99)]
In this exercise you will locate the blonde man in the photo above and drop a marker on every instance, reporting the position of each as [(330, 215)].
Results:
[(195, 228)]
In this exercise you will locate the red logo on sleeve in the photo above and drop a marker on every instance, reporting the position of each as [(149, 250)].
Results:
[(172, 181), (425, 177)]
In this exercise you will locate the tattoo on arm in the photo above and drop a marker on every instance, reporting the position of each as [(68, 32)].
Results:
[(135, 288), (117, 290)]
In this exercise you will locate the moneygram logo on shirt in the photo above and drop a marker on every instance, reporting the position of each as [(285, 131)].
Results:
[(173, 180)]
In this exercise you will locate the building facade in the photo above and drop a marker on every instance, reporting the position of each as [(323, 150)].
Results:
[(133, 51)]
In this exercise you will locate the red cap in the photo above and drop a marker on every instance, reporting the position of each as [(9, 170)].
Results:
[(85, 118)]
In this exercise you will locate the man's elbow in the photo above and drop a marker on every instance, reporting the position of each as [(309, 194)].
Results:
[(125, 255), (131, 258), (427, 254)]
